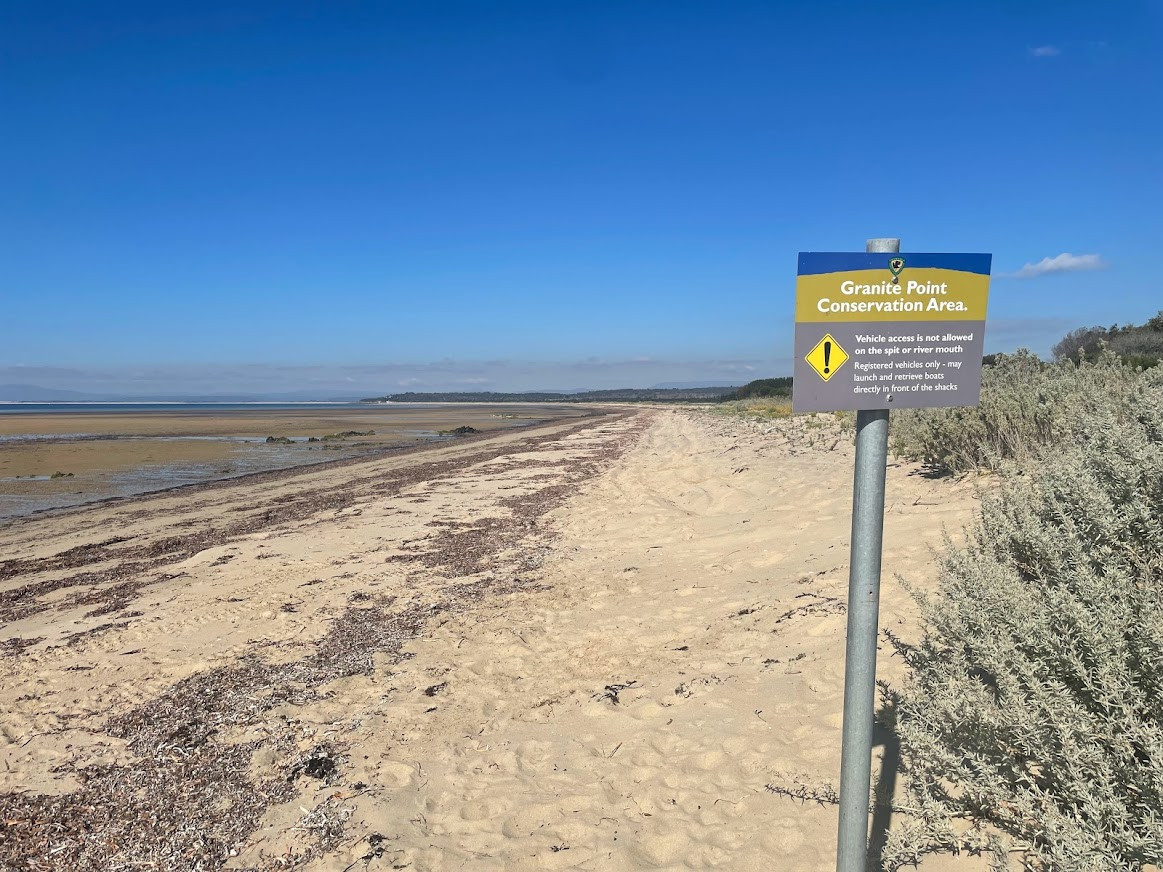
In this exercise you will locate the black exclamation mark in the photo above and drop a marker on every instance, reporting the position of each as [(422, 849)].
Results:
[(827, 355)]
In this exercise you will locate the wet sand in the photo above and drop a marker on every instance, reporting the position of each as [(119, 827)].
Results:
[(279, 421), (62, 459)]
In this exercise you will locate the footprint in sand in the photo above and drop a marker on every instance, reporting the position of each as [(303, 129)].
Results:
[(395, 774), (658, 848)]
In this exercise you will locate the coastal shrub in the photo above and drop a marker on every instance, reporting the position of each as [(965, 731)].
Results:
[(755, 407), (1138, 345), (763, 387), (1026, 406), (1031, 720)]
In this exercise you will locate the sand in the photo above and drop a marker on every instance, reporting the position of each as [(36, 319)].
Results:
[(613, 643)]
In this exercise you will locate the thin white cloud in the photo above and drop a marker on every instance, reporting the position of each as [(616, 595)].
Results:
[(735, 367), (1065, 262), (1045, 51)]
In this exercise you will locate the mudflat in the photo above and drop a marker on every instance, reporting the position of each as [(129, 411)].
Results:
[(61, 459), (306, 421), (607, 643)]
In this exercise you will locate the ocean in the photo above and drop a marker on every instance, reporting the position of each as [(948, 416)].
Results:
[(78, 408)]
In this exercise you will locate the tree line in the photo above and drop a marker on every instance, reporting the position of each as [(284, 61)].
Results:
[(1136, 345), (616, 395)]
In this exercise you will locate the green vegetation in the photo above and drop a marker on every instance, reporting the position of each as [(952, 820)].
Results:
[(1140, 345), (756, 407), (1029, 721), (760, 388), (765, 387)]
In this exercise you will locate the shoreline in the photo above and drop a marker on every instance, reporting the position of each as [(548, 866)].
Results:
[(61, 461), (274, 474)]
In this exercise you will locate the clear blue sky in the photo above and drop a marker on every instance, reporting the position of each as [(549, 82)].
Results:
[(296, 195)]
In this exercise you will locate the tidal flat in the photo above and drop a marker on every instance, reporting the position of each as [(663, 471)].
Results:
[(59, 459)]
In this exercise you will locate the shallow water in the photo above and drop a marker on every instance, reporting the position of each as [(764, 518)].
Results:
[(120, 450), (247, 455)]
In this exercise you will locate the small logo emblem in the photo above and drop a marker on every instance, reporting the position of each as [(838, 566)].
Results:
[(895, 265)]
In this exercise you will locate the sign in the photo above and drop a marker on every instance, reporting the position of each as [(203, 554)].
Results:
[(885, 331), (826, 357)]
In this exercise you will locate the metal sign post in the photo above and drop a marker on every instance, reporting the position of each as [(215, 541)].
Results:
[(863, 614), (877, 330)]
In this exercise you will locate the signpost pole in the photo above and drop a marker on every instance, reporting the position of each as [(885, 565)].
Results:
[(863, 613)]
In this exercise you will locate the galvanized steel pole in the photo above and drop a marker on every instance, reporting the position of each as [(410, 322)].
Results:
[(863, 612)]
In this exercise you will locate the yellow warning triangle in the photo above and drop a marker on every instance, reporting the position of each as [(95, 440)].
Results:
[(826, 357)]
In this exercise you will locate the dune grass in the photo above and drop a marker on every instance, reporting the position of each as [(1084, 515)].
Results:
[(758, 408)]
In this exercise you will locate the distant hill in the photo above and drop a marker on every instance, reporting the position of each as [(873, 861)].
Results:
[(1138, 345), (36, 394), (687, 384), (617, 395)]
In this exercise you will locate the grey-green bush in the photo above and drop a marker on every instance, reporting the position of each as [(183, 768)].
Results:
[(1140, 345), (1030, 720), (1026, 406)]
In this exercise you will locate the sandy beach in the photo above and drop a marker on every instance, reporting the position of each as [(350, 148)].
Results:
[(613, 642)]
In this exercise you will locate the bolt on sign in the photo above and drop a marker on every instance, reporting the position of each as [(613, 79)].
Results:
[(884, 331)]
